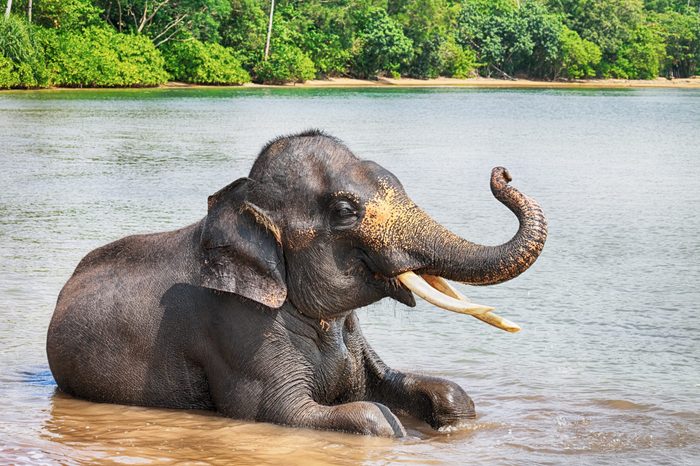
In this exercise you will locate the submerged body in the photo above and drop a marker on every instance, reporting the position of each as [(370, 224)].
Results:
[(250, 312)]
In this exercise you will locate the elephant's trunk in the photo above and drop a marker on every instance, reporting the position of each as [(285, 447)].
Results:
[(415, 243), (461, 260)]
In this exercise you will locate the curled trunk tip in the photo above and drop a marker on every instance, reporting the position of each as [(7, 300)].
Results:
[(464, 261)]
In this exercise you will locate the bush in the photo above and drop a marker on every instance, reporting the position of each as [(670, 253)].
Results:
[(196, 62), (286, 63), (8, 76), (100, 57), (22, 62)]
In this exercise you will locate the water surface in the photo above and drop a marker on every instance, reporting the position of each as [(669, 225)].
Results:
[(605, 371)]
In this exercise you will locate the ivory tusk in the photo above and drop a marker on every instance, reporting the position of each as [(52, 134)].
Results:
[(420, 287), (443, 286), (436, 290)]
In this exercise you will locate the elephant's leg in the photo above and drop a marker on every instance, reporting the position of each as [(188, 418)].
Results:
[(439, 402), (359, 417), (241, 398)]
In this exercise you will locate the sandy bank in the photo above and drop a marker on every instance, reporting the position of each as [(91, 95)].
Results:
[(685, 83), (340, 83), (501, 83)]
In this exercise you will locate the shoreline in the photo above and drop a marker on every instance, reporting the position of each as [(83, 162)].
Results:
[(407, 83), (681, 83)]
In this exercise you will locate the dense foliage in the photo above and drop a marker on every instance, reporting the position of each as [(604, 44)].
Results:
[(21, 62), (198, 62), (147, 42), (101, 57)]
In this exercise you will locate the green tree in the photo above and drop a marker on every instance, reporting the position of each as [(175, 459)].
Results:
[(678, 6), (455, 61), (607, 23), (681, 35), (496, 32), (380, 46), (578, 58), (512, 37), (298, 26), (63, 14), (244, 31), (545, 32), (166, 20), (426, 23), (631, 44), (326, 50), (286, 63)]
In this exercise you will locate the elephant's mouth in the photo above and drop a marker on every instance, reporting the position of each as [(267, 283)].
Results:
[(437, 291), (434, 289)]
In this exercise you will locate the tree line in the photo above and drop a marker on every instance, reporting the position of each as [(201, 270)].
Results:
[(111, 43)]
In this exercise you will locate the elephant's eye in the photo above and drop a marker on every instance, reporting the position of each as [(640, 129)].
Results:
[(344, 214)]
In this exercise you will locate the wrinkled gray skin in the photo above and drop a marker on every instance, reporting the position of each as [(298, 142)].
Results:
[(250, 312)]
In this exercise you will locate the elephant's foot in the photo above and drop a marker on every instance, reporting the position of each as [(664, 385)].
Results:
[(441, 403), (360, 417), (449, 405)]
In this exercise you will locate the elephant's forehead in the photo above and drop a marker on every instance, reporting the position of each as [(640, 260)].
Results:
[(364, 178)]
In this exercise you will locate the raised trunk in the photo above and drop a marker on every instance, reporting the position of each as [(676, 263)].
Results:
[(457, 259)]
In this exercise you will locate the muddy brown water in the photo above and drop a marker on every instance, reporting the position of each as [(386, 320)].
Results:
[(605, 371)]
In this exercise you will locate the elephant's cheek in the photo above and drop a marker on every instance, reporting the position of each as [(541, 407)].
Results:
[(386, 216)]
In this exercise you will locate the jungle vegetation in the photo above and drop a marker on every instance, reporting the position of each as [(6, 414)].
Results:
[(116, 43)]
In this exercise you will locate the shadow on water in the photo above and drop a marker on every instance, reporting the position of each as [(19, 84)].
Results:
[(38, 378)]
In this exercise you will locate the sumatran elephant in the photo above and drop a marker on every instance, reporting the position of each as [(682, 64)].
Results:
[(251, 311)]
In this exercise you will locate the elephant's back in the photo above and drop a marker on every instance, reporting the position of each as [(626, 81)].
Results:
[(109, 338)]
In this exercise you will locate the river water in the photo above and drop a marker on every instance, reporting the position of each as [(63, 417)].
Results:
[(605, 371)]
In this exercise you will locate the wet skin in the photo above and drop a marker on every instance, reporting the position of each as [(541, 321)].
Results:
[(250, 312)]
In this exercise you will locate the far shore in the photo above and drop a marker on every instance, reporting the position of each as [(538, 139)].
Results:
[(348, 83), (685, 83)]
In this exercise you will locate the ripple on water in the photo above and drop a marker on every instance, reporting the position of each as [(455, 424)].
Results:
[(603, 372)]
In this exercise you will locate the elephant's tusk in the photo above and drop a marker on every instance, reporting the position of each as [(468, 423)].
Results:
[(451, 303), (436, 290), (490, 318)]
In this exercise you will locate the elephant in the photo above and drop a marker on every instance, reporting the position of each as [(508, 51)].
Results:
[(250, 312)]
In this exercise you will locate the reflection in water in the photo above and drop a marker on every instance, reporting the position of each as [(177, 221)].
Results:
[(105, 433), (134, 434), (603, 372)]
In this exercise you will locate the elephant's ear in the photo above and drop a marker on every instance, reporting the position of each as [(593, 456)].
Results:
[(241, 248)]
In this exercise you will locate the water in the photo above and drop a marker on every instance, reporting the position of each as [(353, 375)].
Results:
[(605, 371)]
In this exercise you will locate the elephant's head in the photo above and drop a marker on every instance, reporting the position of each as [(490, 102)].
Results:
[(328, 232)]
